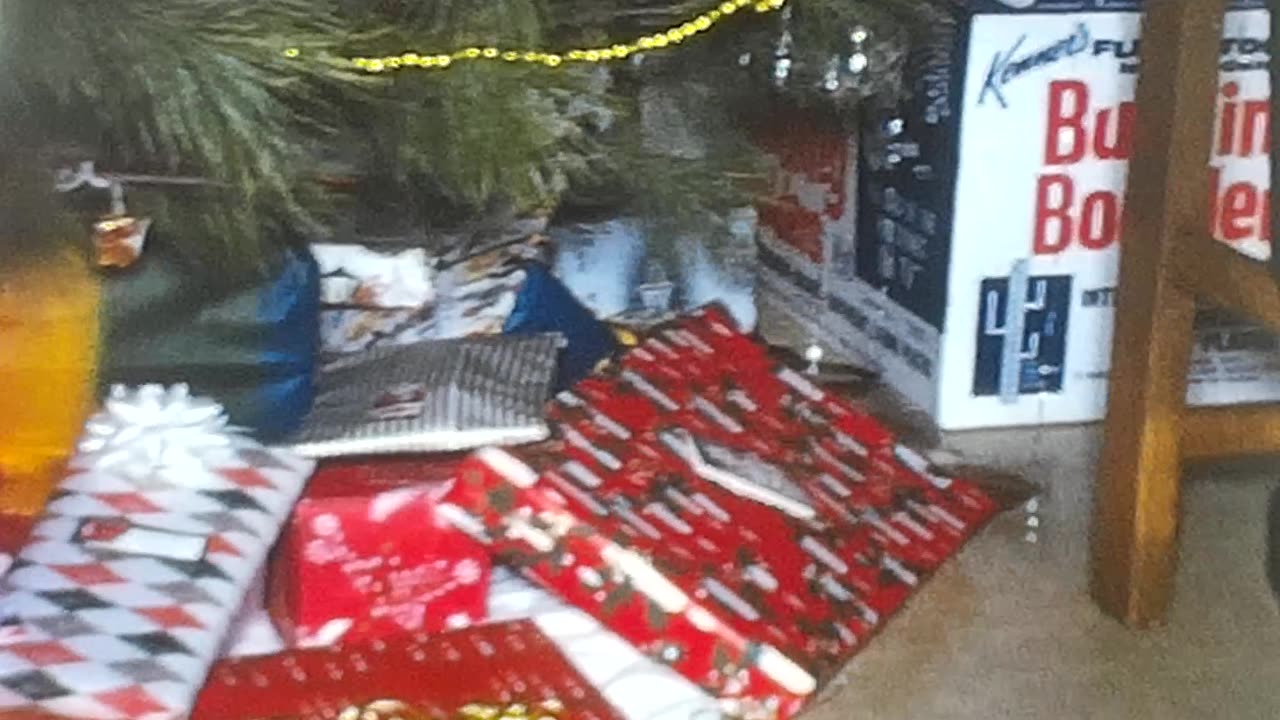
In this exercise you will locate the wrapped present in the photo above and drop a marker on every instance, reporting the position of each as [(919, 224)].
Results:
[(13, 534), (502, 290), (727, 516), (470, 295), (437, 396), (356, 276), (365, 556), (485, 672), (121, 598), (640, 687)]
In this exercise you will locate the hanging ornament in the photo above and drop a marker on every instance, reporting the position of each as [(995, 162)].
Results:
[(831, 77), (858, 58), (118, 240), (781, 70), (782, 59), (782, 51), (858, 63)]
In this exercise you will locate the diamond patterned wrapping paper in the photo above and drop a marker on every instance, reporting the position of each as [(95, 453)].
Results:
[(727, 517), (435, 396), (489, 668), (121, 598), (365, 556)]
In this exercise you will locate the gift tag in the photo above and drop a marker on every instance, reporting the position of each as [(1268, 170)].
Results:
[(120, 535)]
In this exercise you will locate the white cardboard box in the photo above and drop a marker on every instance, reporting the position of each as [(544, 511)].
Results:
[(989, 215)]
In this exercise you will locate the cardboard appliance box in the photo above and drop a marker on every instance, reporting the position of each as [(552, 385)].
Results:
[(990, 206)]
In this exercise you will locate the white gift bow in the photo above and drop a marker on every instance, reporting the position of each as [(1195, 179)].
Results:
[(151, 428)]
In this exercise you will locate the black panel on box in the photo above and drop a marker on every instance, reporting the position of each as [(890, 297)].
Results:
[(906, 191)]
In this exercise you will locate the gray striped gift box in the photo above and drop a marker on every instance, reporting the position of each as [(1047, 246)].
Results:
[(435, 396)]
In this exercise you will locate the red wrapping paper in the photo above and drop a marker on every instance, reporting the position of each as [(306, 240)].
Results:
[(807, 155), (366, 556), (495, 664), (756, 571)]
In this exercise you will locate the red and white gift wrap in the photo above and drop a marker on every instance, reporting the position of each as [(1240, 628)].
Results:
[(366, 556), (725, 516), (123, 594)]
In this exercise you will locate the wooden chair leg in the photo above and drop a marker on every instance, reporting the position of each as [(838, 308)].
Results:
[(1136, 515), (1135, 533)]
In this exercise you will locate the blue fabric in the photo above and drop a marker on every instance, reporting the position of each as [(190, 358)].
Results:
[(289, 310), (544, 304)]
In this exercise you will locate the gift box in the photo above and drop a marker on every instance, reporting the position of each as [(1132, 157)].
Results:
[(366, 556), (726, 516), (631, 681), (354, 275), (505, 669), (469, 295), (122, 596), (435, 396)]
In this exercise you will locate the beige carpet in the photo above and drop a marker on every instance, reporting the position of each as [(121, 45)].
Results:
[(1007, 629)]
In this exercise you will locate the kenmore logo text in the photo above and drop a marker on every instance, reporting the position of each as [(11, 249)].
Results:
[(1007, 67)]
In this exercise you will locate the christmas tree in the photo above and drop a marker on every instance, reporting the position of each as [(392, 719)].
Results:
[(269, 122)]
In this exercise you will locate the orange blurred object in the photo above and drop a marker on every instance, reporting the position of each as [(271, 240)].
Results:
[(48, 355)]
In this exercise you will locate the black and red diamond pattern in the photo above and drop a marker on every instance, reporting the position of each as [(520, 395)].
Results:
[(108, 632)]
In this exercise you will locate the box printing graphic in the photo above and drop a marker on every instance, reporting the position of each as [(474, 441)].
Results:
[(990, 208)]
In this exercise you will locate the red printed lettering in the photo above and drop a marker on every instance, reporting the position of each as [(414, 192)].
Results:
[(1244, 126), (1064, 143), (1240, 211), (1054, 195), (1100, 220), (1061, 223)]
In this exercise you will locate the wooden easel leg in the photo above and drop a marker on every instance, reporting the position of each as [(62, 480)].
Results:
[(1136, 521), (1136, 517)]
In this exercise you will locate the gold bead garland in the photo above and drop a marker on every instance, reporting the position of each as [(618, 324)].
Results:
[(657, 41)]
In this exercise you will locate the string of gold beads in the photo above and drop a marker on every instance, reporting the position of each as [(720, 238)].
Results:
[(674, 35)]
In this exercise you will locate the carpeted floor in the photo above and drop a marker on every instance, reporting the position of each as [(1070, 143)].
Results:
[(1007, 629)]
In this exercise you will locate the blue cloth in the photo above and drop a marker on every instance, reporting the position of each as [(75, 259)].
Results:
[(252, 349), (289, 310), (544, 304)]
